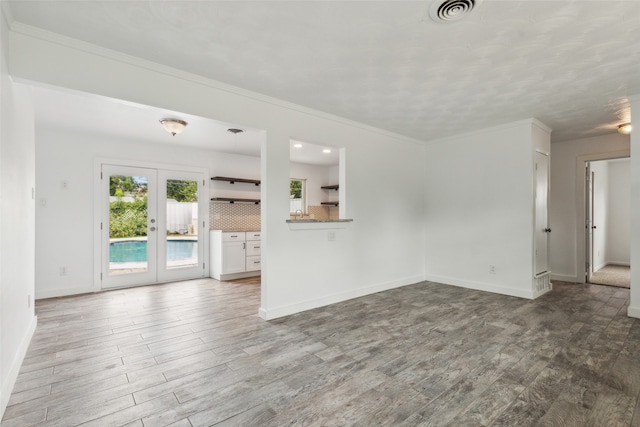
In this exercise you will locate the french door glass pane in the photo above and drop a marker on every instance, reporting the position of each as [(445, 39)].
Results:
[(182, 223), (128, 252)]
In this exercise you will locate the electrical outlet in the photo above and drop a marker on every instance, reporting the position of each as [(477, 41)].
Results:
[(492, 269), (64, 184), (28, 301), (64, 271), (331, 236)]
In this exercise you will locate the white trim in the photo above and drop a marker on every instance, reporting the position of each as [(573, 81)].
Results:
[(537, 123), (14, 370), (492, 129), (274, 313), (481, 286), (580, 190), (64, 292), (566, 278), (69, 42), (620, 263), (633, 312)]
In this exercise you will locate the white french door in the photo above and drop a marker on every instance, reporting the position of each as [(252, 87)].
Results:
[(152, 225)]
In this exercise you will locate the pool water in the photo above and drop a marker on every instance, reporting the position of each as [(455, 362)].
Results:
[(136, 251)]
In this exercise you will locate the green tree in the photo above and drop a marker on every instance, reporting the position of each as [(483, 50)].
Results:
[(182, 191), (295, 188), (128, 219)]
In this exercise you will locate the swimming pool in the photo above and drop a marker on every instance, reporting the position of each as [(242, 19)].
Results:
[(136, 251)]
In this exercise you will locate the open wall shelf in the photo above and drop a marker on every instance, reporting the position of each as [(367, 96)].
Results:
[(329, 203), (234, 200), (330, 187), (234, 180)]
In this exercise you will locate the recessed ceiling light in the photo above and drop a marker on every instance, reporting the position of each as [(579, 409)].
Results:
[(625, 128), (297, 145), (326, 151)]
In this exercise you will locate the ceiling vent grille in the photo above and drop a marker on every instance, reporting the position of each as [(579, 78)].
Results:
[(451, 10)]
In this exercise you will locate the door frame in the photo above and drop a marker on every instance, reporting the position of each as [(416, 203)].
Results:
[(537, 274), (581, 203), (97, 206)]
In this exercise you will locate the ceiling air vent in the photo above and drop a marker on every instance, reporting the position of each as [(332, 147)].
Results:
[(451, 10)]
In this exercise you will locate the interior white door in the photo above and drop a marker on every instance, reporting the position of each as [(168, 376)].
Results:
[(129, 226), (589, 226), (153, 227), (541, 228)]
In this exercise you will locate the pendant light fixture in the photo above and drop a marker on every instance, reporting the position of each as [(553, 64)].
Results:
[(173, 126), (624, 128)]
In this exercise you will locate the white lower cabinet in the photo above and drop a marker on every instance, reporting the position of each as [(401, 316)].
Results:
[(234, 254)]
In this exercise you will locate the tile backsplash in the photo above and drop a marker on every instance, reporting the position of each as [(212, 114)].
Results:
[(324, 212), (246, 216), (234, 216)]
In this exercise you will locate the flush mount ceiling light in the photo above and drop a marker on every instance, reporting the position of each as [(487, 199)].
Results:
[(326, 151), (451, 10), (235, 131), (297, 145), (625, 128), (173, 126)]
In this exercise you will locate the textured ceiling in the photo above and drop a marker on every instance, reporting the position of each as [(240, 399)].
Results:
[(571, 64)]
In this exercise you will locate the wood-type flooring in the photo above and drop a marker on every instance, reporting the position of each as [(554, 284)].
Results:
[(195, 353)]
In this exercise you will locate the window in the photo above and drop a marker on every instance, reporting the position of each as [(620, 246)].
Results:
[(297, 195)]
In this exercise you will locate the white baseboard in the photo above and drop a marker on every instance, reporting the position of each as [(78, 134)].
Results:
[(12, 375), (599, 266), (63, 292), (622, 263), (274, 313), (480, 286), (633, 312), (566, 278)]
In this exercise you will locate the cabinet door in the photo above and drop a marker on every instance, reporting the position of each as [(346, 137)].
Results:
[(253, 248), (233, 257), (254, 263)]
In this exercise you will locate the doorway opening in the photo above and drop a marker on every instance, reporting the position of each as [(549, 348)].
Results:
[(608, 225), (152, 225)]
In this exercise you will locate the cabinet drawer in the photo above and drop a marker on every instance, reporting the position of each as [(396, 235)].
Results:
[(253, 235), (233, 237), (253, 248), (253, 263)]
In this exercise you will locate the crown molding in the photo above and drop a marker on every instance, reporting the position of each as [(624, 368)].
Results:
[(69, 42), (511, 125)]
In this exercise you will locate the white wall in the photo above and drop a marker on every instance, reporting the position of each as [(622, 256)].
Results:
[(64, 228), (619, 213), (566, 210), (381, 249), (600, 171), (479, 197), (17, 178)]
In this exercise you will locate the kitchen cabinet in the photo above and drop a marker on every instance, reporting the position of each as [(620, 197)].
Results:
[(235, 255)]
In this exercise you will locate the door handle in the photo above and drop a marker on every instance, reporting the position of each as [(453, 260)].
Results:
[(547, 230), (594, 227), (152, 229)]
